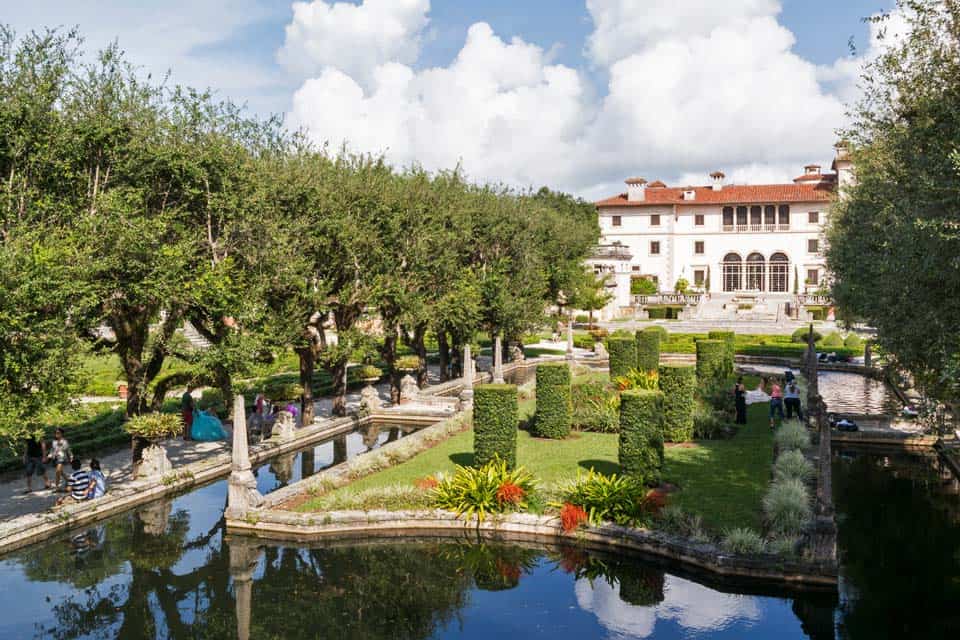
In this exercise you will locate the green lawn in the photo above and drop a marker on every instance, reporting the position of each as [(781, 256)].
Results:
[(721, 480)]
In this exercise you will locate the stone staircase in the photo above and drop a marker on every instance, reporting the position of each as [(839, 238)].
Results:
[(193, 336)]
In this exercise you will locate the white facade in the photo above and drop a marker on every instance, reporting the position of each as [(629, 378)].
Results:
[(761, 239)]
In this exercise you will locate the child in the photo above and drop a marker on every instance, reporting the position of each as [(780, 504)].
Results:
[(60, 455), (78, 483), (97, 487)]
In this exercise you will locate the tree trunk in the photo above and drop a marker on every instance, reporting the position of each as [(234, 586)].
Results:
[(308, 362), (389, 354), (444, 356), (339, 373), (131, 329), (417, 342)]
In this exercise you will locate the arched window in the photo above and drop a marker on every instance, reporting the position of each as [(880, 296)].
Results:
[(779, 273), (755, 272), (732, 272)]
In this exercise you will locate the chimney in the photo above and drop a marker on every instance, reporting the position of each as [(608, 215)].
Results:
[(811, 170), (718, 177), (636, 189), (843, 165)]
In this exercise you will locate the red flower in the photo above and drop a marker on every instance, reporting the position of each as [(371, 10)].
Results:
[(571, 516), (510, 493), (428, 482), (655, 501), (572, 559)]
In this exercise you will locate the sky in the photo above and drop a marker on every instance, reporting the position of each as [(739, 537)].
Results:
[(573, 94)]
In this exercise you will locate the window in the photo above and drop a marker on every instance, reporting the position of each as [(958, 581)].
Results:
[(616, 221), (813, 245), (698, 277), (784, 214), (756, 215), (698, 247), (813, 276), (741, 216), (655, 221), (769, 215), (813, 217), (728, 216), (655, 248), (698, 220), (636, 267)]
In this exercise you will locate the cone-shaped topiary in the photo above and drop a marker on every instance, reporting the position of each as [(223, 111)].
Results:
[(648, 350), (678, 384), (641, 434), (623, 355), (710, 361), (729, 339), (495, 424), (554, 404)]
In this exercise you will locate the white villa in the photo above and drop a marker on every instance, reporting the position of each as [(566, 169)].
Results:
[(756, 242)]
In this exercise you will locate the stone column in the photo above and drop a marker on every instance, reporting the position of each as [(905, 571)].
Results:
[(466, 396), (242, 493), (570, 339), (498, 361), (339, 449), (243, 562), (868, 354)]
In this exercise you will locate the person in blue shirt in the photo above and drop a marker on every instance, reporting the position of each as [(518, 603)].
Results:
[(98, 483)]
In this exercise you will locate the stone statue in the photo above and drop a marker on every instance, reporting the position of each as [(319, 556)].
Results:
[(516, 353), (600, 350), (408, 389), (284, 428), (155, 463), (369, 399)]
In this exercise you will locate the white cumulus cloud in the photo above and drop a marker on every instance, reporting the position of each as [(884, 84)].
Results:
[(353, 38)]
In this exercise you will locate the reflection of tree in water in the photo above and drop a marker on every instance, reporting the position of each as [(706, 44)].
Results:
[(640, 584), (899, 554), (494, 567)]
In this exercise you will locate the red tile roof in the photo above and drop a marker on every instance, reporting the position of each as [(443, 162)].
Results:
[(656, 184), (815, 177), (731, 194)]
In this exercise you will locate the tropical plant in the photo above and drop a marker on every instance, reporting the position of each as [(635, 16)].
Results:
[(637, 379), (596, 407), (480, 491), (572, 516), (407, 363), (743, 540), (619, 499), (681, 285), (786, 506), (154, 426)]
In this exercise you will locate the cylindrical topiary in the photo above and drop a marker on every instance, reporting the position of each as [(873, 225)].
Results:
[(623, 355), (495, 424), (729, 339), (554, 404), (710, 360), (648, 350), (641, 434), (678, 384)]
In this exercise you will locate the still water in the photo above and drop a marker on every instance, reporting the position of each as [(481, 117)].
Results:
[(847, 392)]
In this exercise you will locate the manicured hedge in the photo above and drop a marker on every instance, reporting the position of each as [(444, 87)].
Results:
[(710, 360), (641, 434), (729, 340), (554, 406), (648, 350), (678, 384), (623, 355), (495, 423)]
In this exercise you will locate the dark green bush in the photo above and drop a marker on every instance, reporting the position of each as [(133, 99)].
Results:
[(800, 335), (495, 424), (583, 342), (641, 434), (623, 354), (710, 360), (664, 334), (642, 287), (648, 350), (729, 340), (553, 400), (663, 312), (678, 384), (582, 318)]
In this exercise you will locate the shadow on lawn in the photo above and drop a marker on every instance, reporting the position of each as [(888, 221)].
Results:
[(463, 458), (606, 467)]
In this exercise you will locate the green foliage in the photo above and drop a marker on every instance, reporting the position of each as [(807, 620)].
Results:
[(648, 350), (786, 506), (613, 498), (154, 426), (642, 287), (554, 405), (800, 335), (709, 424), (833, 340), (792, 464), (743, 540), (212, 401), (681, 285), (623, 354), (641, 434), (678, 384), (711, 361), (369, 372), (477, 491), (495, 424), (663, 312), (408, 363), (729, 339), (853, 341), (596, 407), (792, 436), (656, 328), (279, 388)]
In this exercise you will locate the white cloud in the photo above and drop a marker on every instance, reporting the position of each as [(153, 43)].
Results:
[(353, 38)]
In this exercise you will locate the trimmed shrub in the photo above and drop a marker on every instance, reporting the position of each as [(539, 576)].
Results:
[(729, 339), (710, 361), (664, 334), (623, 355), (792, 465), (791, 437), (554, 405), (800, 335), (582, 318), (583, 342), (648, 350), (495, 424), (832, 340), (853, 341), (786, 507), (743, 540), (641, 434), (280, 388), (678, 384)]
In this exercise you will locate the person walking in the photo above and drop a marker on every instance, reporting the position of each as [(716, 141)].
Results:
[(33, 458), (791, 400), (740, 400), (60, 455), (186, 410), (776, 401)]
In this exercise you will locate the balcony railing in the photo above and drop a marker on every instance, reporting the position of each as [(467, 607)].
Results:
[(684, 299), (612, 252), (756, 228), (813, 299)]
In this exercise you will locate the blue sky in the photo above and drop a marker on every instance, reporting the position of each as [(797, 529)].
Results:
[(587, 79)]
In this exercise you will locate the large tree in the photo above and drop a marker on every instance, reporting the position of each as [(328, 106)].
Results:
[(895, 233)]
